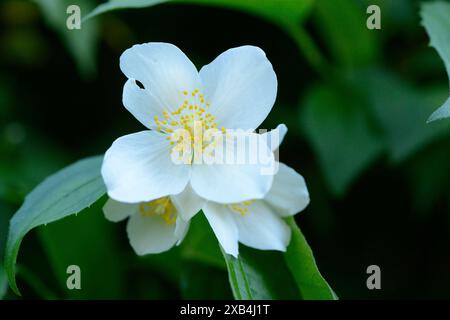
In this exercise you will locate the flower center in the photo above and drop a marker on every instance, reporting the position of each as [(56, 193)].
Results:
[(190, 127), (193, 110), (241, 207), (162, 207)]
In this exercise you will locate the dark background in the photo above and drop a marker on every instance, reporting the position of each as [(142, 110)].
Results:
[(377, 173)]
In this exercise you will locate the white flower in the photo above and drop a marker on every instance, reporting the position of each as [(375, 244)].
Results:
[(255, 223), (258, 223), (236, 91), (158, 225), (154, 226)]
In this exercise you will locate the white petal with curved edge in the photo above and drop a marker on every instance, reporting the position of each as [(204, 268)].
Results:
[(188, 203), (165, 72), (150, 234), (262, 229), (181, 228), (237, 180), (138, 168), (275, 137), (230, 183), (241, 87), (141, 104), (289, 194), (224, 227), (116, 211)]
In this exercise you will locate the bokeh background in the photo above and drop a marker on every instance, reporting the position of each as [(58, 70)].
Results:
[(355, 101)]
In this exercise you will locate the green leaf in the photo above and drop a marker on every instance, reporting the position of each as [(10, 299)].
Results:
[(252, 277), (436, 20), (343, 25), (66, 192), (240, 279), (82, 43), (95, 250), (300, 260), (340, 132), (442, 112)]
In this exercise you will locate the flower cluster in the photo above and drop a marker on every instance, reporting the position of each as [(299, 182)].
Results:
[(187, 160)]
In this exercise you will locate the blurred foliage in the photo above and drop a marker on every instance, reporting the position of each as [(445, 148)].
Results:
[(289, 12), (410, 104), (347, 37), (3, 232), (436, 20), (344, 150), (82, 43), (200, 244), (355, 100)]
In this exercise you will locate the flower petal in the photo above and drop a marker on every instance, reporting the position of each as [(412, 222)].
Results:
[(289, 194), (275, 137), (230, 183), (141, 103), (241, 87), (221, 220), (181, 228), (262, 229), (116, 211), (188, 203), (150, 234), (138, 168), (165, 72), (247, 175)]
